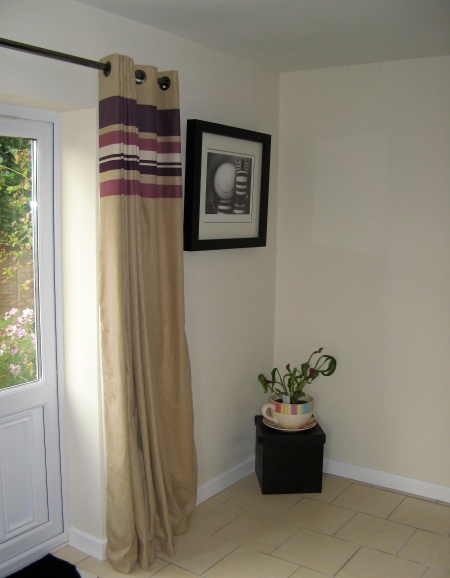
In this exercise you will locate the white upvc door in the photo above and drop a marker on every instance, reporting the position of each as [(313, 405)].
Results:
[(31, 502)]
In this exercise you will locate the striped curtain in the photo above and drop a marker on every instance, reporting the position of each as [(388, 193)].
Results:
[(148, 413)]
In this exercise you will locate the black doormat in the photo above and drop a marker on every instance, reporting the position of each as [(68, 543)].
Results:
[(47, 567)]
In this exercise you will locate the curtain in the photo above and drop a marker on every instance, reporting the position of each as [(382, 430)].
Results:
[(148, 410)]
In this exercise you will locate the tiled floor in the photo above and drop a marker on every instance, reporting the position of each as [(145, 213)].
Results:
[(350, 530)]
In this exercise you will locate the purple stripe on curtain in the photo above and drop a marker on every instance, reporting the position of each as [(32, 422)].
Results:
[(161, 191), (147, 144), (144, 190), (119, 187), (117, 110), (120, 110), (119, 164), (166, 122), (114, 156), (119, 136), (160, 170)]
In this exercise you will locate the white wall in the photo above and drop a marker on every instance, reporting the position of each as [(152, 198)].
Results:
[(230, 295), (363, 263), (81, 340)]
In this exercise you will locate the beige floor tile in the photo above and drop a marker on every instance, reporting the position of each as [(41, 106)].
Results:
[(376, 533), (102, 569), (437, 573), (331, 488), (271, 505), (316, 551), (70, 554), (233, 490), (85, 574), (196, 551), (325, 518), (253, 478), (257, 532), (369, 500), (423, 514), (372, 564), (428, 548), (212, 515), (171, 571), (307, 573), (244, 563)]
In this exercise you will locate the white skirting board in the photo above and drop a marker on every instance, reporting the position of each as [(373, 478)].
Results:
[(386, 480), (87, 543), (225, 480)]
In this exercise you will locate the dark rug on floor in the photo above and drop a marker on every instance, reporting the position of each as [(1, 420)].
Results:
[(47, 567)]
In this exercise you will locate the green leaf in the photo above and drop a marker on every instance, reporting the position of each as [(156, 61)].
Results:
[(263, 382), (305, 368), (332, 363)]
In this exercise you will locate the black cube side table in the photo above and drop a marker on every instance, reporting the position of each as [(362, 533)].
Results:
[(289, 462)]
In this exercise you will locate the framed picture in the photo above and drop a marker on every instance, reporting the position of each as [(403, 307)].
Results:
[(226, 187)]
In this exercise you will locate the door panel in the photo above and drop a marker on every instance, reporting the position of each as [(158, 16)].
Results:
[(23, 496)]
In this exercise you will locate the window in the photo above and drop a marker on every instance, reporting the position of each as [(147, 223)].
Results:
[(19, 347)]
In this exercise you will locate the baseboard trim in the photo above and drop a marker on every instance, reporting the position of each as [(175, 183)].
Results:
[(387, 480), (225, 480), (87, 543)]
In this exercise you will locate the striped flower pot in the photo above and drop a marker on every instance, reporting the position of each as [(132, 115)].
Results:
[(288, 415)]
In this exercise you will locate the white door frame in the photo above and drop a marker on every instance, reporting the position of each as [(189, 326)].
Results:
[(38, 551)]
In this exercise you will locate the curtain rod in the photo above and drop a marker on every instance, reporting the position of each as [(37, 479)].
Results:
[(164, 82)]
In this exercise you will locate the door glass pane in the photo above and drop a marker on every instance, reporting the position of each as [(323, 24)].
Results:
[(19, 360)]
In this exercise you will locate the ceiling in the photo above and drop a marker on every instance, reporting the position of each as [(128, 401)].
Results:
[(300, 34)]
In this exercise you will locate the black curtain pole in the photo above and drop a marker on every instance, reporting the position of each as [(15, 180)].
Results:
[(164, 82)]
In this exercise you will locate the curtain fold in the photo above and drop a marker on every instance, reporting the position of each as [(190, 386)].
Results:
[(148, 411)]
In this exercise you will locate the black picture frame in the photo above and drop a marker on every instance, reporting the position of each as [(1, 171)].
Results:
[(226, 187)]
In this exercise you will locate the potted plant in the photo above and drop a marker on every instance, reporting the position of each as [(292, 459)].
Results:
[(290, 407)]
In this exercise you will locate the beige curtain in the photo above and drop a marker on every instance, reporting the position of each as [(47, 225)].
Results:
[(151, 458)]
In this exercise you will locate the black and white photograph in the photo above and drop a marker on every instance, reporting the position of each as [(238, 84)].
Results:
[(229, 184)]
